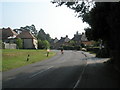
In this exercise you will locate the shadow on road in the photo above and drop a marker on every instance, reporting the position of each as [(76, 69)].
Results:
[(96, 75)]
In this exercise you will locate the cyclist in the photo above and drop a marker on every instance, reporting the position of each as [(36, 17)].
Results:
[(61, 50)]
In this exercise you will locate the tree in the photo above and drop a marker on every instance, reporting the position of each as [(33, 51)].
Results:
[(72, 42), (104, 21), (40, 44), (43, 36), (43, 44), (46, 44), (19, 43)]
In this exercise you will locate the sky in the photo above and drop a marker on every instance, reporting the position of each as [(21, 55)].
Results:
[(57, 21)]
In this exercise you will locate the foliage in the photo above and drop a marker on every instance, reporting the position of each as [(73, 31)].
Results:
[(80, 7), (43, 36), (68, 47), (82, 45), (72, 42), (43, 44), (103, 53), (0, 44), (103, 19), (40, 44), (31, 28), (19, 43), (46, 44), (88, 33)]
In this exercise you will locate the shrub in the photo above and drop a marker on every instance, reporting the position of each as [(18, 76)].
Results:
[(103, 53), (19, 43)]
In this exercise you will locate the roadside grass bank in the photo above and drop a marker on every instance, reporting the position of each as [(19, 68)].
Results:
[(14, 58)]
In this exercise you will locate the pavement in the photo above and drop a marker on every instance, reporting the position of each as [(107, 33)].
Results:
[(98, 74), (73, 69)]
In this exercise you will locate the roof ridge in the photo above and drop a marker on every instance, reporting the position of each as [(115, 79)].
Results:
[(25, 34), (13, 32)]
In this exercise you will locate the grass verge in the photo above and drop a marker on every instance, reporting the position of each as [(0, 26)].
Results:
[(16, 58)]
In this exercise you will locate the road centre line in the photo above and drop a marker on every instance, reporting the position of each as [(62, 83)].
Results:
[(40, 72), (79, 80)]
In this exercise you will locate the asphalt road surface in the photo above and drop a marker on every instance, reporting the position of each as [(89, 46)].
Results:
[(68, 70)]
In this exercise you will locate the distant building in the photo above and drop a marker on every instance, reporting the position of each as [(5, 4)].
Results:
[(9, 39), (85, 41), (77, 38), (54, 43), (29, 41), (58, 43), (8, 35), (83, 37)]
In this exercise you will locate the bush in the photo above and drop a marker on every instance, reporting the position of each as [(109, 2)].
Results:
[(43, 44), (68, 47), (19, 43), (94, 50), (103, 53), (77, 48)]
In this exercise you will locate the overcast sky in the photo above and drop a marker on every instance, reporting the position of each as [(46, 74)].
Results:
[(57, 21)]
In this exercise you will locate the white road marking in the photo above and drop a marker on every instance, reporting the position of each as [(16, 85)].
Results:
[(79, 80), (40, 72), (11, 78)]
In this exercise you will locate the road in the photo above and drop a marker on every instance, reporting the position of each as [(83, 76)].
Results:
[(60, 71)]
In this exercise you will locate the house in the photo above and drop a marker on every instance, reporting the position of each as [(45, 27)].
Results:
[(8, 35), (77, 38), (54, 43), (85, 41), (83, 38), (58, 43), (29, 41), (64, 40), (88, 43), (8, 38)]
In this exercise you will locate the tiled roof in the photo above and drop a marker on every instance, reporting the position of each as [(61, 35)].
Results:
[(25, 35), (84, 38), (64, 39), (7, 32), (77, 38)]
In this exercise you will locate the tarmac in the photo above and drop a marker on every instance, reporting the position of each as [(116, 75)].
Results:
[(98, 73)]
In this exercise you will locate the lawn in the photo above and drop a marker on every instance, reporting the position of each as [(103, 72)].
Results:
[(13, 58)]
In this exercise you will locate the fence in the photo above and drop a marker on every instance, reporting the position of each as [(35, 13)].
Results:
[(9, 46)]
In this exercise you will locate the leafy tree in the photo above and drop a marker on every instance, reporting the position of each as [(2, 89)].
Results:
[(19, 43), (43, 36), (72, 42), (31, 28), (104, 21), (46, 44), (43, 44), (40, 44)]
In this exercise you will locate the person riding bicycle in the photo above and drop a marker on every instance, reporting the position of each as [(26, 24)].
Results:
[(61, 50)]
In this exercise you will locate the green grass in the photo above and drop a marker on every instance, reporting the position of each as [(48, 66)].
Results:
[(0, 60), (13, 58)]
